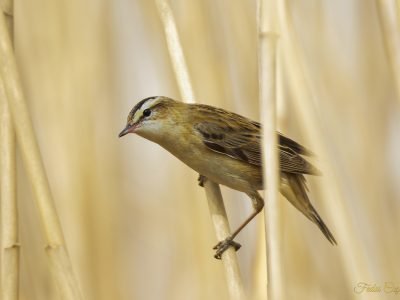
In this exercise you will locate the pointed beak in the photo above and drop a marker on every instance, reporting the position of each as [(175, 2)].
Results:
[(126, 130)]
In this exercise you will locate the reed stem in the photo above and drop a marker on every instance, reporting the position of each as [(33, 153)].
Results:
[(213, 192), (268, 38), (9, 207), (10, 247), (56, 248)]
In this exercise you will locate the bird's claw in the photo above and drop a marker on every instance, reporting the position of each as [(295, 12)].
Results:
[(201, 180), (222, 246)]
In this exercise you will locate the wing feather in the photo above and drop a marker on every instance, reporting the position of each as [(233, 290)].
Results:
[(243, 142)]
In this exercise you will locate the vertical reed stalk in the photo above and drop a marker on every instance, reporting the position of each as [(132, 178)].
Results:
[(175, 51), (10, 248), (213, 192), (56, 249), (390, 23), (268, 38), (9, 207)]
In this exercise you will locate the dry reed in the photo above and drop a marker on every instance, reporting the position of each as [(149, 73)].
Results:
[(9, 212), (56, 249), (133, 215), (268, 40), (213, 192), (10, 247)]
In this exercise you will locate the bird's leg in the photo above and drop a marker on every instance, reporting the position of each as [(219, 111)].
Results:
[(201, 180), (222, 246)]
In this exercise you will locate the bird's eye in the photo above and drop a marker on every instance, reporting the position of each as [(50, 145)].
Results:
[(147, 112)]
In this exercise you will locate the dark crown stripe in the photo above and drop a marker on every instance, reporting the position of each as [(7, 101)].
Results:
[(139, 105)]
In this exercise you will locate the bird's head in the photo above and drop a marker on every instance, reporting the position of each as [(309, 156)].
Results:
[(149, 117)]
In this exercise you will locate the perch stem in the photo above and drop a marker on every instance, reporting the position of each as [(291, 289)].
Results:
[(213, 192)]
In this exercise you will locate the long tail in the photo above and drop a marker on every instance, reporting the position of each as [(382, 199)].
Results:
[(294, 188)]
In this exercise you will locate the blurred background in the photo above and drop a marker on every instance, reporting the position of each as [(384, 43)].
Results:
[(136, 223)]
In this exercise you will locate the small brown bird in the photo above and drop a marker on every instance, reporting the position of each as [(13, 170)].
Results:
[(225, 148)]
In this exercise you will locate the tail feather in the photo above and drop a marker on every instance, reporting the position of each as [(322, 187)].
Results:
[(320, 223), (295, 190)]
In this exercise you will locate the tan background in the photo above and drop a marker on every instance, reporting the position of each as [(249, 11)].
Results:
[(136, 223)]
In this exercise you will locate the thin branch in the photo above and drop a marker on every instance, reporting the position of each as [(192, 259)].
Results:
[(213, 192), (56, 249), (390, 22), (268, 38)]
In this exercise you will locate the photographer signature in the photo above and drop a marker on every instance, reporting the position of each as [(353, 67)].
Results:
[(387, 287)]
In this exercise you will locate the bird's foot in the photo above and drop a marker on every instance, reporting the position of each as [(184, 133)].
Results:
[(201, 180), (222, 246)]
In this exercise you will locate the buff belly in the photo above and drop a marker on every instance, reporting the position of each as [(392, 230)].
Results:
[(221, 168)]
